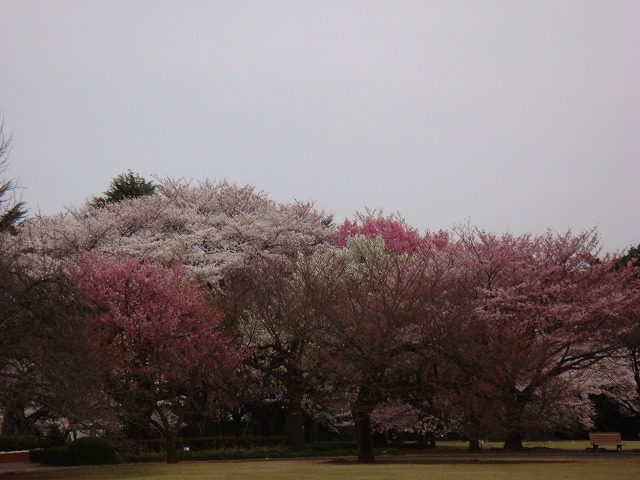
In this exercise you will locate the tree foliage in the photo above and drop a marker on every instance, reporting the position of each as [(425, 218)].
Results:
[(547, 306), (398, 235), (123, 187), (277, 300), (42, 335), (157, 339), (386, 284), (483, 334), (210, 227), (620, 373), (44, 353), (632, 256)]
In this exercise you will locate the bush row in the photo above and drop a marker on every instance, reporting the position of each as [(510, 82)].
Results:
[(12, 443), (97, 451), (241, 454), (51, 455), (83, 451), (215, 443)]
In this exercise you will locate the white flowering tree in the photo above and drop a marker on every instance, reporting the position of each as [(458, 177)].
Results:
[(209, 227)]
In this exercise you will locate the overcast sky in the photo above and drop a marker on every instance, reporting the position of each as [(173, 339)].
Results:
[(514, 115)]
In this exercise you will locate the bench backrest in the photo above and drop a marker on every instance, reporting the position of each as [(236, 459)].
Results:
[(604, 438)]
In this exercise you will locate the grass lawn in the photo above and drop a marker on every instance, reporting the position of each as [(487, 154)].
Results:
[(604, 467)]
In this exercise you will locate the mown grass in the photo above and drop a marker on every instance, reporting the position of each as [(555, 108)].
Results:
[(604, 467)]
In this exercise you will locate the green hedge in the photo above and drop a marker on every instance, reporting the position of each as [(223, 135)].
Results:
[(241, 454), (12, 443), (88, 456), (51, 455), (214, 443), (91, 451), (83, 451), (329, 446)]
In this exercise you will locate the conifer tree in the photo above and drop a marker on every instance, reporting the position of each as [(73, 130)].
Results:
[(125, 186)]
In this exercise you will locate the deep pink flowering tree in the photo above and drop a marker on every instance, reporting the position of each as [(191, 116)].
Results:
[(157, 339), (399, 237)]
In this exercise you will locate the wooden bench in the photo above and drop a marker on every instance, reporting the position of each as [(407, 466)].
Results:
[(605, 438)]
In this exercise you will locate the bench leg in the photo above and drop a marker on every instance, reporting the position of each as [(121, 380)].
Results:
[(595, 448)]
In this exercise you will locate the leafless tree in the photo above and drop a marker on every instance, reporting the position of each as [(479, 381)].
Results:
[(12, 209)]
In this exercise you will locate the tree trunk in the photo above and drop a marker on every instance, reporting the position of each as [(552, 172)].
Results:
[(364, 433), (172, 450), (474, 446), (515, 411), (635, 366), (310, 430), (13, 420), (295, 430), (295, 418), (9, 426)]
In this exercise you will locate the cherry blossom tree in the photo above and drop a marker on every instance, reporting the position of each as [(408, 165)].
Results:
[(209, 227), (631, 352), (44, 354), (379, 319), (277, 299), (620, 373), (549, 307), (470, 320), (398, 236), (397, 417), (157, 338), (45, 358)]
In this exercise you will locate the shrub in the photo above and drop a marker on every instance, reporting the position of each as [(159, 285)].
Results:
[(206, 443), (331, 450), (330, 446), (12, 443), (129, 457), (50, 456), (91, 451), (55, 437)]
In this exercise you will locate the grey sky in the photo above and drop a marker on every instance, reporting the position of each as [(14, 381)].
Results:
[(514, 115)]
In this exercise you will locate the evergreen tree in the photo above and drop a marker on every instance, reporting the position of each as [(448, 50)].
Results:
[(632, 256), (125, 186)]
